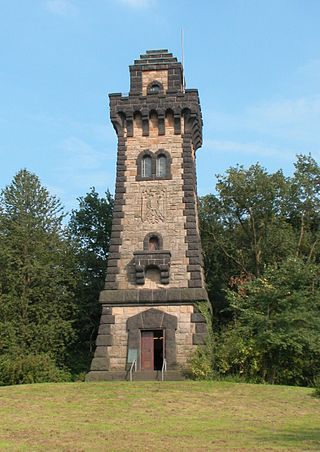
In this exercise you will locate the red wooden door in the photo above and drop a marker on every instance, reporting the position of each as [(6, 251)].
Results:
[(147, 350)]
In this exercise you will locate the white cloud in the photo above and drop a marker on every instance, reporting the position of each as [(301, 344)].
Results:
[(60, 7), (137, 3)]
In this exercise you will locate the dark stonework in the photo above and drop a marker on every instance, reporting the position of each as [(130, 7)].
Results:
[(119, 202), (131, 297), (196, 317), (145, 259), (104, 340), (153, 319), (201, 327), (185, 104), (101, 362), (199, 339)]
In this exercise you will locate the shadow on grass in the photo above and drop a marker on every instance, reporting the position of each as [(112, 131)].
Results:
[(299, 438)]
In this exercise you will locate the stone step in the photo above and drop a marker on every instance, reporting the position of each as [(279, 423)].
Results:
[(170, 375)]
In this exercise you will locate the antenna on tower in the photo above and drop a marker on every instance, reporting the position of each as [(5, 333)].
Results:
[(182, 60)]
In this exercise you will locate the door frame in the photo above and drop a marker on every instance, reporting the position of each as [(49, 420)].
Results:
[(153, 319), (163, 344)]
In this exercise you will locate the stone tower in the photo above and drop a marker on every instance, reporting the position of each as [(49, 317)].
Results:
[(154, 276)]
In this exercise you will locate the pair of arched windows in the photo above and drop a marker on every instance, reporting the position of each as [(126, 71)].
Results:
[(161, 166), (153, 165)]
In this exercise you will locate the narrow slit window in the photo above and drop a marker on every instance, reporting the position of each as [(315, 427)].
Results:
[(146, 166), (161, 166)]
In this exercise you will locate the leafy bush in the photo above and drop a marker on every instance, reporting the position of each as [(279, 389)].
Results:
[(275, 333), (25, 369), (200, 363), (236, 355)]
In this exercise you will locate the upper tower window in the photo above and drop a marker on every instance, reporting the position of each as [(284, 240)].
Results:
[(153, 165), (155, 87), (146, 166), (161, 166)]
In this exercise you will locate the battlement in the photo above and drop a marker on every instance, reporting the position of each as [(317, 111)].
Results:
[(181, 108)]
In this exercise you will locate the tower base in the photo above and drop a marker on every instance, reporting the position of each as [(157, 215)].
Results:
[(146, 335)]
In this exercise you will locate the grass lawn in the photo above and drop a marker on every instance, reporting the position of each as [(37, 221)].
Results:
[(156, 416)]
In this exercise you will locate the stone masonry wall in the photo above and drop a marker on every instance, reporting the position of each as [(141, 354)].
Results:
[(184, 333), (135, 225)]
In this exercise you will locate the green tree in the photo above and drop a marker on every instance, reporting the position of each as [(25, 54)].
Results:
[(90, 228), (261, 241), (277, 318), (244, 227), (304, 207), (37, 277)]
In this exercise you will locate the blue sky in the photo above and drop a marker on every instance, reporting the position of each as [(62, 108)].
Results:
[(256, 64)]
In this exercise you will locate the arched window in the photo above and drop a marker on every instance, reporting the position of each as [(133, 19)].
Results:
[(153, 244), (161, 166), (146, 166), (154, 87)]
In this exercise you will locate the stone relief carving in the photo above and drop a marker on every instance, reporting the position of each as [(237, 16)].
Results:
[(153, 205)]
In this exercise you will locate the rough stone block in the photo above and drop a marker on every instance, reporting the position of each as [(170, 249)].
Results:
[(131, 296), (200, 294), (199, 339), (174, 294), (145, 295), (101, 352), (100, 364), (110, 296), (104, 329), (110, 319), (196, 317), (201, 328), (104, 339), (194, 283), (160, 295)]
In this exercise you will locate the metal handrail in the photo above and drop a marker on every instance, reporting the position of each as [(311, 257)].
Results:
[(133, 365), (163, 369)]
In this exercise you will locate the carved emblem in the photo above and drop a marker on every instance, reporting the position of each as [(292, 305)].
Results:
[(153, 208)]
